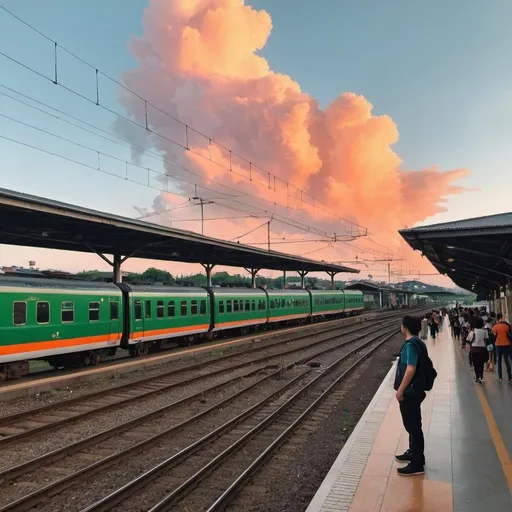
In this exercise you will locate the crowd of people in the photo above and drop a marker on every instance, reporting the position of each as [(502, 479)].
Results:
[(486, 336)]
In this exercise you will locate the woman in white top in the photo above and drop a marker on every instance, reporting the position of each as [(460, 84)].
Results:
[(478, 338)]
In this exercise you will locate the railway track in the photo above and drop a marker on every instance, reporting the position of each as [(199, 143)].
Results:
[(140, 430), (23, 425)]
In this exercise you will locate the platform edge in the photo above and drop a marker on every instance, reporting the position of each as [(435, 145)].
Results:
[(322, 494)]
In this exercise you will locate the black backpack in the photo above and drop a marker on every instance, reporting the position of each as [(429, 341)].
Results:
[(425, 367)]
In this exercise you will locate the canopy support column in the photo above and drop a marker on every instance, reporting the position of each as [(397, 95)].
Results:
[(118, 278), (302, 274), (284, 279), (116, 263), (331, 274), (208, 267), (253, 272)]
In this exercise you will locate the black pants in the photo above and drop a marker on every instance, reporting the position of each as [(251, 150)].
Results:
[(503, 353), (479, 356), (410, 407)]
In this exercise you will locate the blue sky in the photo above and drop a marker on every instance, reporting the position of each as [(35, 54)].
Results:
[(440, 69)]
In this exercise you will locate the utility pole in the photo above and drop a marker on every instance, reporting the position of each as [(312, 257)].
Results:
[(202, 202), (268, 234), (389, 272)]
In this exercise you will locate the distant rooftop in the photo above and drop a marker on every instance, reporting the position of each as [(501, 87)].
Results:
[(488, 221)]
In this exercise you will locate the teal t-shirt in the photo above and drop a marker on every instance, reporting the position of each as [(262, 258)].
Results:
[(409, 355)]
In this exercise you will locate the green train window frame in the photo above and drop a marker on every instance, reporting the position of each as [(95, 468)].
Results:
[(114, 310), (202, 307), (160, 309), (171, 309), (42, 303), (94, 310), (184, 308), (137, 310), (15, 313), (67, 306)]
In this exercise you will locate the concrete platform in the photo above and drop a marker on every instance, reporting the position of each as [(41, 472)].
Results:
[(468, 447)]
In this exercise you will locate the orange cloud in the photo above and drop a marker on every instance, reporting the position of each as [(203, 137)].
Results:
[(198, 60)]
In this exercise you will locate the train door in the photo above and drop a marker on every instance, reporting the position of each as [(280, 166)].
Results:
[(138, 321), (116, 325)]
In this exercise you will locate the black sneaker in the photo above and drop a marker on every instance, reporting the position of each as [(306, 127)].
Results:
[(406, 457), (411, 470)]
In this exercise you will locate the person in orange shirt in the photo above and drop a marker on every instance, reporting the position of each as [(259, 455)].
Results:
[(503, 332)]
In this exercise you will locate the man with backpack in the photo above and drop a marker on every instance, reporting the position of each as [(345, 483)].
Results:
[(415, 374)]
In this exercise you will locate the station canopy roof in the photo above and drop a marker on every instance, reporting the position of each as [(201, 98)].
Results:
[(475, 253), (367, 286), (33, 221)]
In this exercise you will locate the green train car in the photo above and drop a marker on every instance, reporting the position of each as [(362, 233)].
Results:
[(53, 320), (288, 305), (154, 314), (238, 308), (336, 302)]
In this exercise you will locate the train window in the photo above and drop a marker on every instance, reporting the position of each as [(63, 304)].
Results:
[(43, 312), (247, 305), (19, 313), (114, 310), (229, 307), (202, 307), (193, 307), (221, 306), (137, 309), (148, 309), (272, 304), (235, 305), (253, 305), (94, 311), (184, 308), (160, 309), (171, 310), (261, 305), (67, 312)]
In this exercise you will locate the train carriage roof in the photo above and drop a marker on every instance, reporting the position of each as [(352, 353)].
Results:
[(37, 282), (238, 291), (327, 292), (288, 292), (168, 290)]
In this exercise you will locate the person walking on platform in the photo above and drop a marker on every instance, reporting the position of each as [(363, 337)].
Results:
[(491, 346), (503, 334), (433, 325), (424, 328), (478, 339), (456, 328), (411, 381)]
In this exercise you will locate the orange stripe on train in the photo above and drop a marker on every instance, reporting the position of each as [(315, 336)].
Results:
[(53, 344)]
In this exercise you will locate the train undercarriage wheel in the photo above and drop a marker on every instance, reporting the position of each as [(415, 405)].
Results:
[(134, 350), (3, 373), (141, 349)]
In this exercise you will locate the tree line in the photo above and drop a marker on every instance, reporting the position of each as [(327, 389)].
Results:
[(156, 276)]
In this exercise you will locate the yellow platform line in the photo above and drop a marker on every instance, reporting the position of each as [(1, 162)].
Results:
[(499, 445), (501, 449)]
